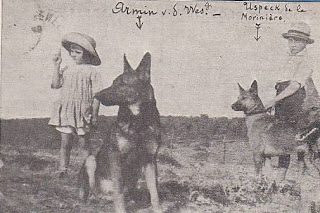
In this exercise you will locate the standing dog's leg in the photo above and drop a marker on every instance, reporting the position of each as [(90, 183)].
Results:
[(258, 162), (284, 162), (267, 169), (83, 182), (151, 179)]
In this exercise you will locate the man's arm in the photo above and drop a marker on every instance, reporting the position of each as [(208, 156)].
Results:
[(293, 87)]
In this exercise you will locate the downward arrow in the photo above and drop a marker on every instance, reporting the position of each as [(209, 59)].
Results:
[(257, 37), (139, 25)]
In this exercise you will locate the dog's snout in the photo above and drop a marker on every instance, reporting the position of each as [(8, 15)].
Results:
[(237, 106), (233, 106), (106, 96)]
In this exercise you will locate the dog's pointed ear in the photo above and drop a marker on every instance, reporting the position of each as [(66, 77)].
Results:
[(144, 67), (241, 90), (254, 87), (127, 67)]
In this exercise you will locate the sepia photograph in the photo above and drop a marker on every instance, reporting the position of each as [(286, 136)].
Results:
[(160, 106)]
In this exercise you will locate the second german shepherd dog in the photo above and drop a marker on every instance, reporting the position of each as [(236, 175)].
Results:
[(130, 151), (265, 138)]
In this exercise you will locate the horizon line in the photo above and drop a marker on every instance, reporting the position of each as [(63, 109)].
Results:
[(205, 116)]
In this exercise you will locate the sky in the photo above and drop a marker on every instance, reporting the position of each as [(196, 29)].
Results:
[(197, 59)]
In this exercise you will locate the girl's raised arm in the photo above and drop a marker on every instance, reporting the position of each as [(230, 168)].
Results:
[(56, 76)]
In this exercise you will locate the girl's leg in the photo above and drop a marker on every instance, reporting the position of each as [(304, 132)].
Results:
[(65, 150)]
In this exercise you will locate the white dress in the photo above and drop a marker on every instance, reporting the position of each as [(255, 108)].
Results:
[(79, 83)]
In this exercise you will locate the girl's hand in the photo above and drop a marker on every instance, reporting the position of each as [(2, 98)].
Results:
[(57, 59)]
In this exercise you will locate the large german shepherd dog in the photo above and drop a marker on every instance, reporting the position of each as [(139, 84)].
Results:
[(130, 151)]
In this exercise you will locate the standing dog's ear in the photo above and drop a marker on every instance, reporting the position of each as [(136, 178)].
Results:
[(241, 90), (254, 87), (127, 67), (144, 68)]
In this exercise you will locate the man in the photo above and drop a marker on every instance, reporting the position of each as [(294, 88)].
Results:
[(299, 72), (296, 95)]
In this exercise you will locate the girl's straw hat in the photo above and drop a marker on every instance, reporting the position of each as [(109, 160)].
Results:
[(85, 42), (299, 30)]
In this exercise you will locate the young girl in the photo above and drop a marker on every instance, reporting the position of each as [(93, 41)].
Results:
[(77, 110)]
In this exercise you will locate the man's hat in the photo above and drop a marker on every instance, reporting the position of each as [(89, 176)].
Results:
[(299, 30), (85, 41)]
